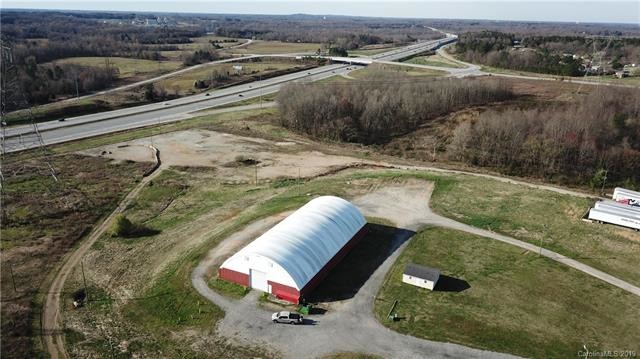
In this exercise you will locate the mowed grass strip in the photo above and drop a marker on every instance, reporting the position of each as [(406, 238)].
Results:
[(435, 60), (516, 302)]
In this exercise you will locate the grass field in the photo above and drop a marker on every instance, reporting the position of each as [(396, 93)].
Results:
[(183, 83), (516, 302), (542, 218), (435, 60), (371, 71), (128, 68), (276, 47)]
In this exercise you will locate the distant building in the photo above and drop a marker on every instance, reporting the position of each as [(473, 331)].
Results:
[(420, 276)]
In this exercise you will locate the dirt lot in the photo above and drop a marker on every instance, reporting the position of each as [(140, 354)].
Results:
[(235, 158)]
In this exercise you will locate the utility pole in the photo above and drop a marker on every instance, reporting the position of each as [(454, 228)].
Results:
[(259, 84), (13, 280), (540, 242), (84, 281), (77, 90), (256, 173)]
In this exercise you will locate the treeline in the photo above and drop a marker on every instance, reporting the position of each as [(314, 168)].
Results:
[(54, 35), (572, 143), (337, 31), (200, 57), (375, 111), (42, 84), (546, 54)]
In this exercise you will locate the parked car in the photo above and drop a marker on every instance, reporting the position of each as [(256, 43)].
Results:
[(287, 318)]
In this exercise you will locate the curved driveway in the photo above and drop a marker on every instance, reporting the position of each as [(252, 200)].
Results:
[(351, 325)]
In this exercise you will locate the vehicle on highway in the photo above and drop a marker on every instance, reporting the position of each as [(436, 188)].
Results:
[(166, 103), (62, 119), (207, 94), (241, 95), (287, 318)]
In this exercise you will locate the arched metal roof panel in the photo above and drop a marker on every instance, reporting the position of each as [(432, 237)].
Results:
[(305, 241)]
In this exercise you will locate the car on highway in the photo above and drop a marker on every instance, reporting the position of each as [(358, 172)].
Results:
[(287, 318)]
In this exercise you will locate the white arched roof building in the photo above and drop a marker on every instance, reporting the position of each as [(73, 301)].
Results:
[(291, 258)]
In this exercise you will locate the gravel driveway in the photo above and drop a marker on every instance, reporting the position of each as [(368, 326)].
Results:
[(350, 326)]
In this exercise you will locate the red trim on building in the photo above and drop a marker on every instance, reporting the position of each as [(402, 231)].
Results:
[(291, 294), (233, 276), (284, 292), (322, 273)]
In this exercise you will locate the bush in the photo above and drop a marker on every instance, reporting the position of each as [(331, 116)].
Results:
[(121, 226)]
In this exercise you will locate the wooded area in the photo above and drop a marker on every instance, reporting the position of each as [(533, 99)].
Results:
[(573, 143), (549, 54), (376, 110)]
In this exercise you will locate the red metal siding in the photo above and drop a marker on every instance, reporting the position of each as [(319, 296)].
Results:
[(291, 294), (233, 276), (284, 292), (313, 283)]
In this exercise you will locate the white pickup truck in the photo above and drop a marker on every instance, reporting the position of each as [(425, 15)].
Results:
[(287, 318)]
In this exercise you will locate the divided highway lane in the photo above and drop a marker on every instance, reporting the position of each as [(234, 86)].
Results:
[(113, 121), (91, 125)]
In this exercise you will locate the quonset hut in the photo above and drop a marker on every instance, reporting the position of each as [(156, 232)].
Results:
[(293, 257)]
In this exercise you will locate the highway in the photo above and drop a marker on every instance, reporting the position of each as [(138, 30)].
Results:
[(52, 132)]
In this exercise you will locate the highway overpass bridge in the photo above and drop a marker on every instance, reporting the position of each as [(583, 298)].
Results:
[(15, 138)]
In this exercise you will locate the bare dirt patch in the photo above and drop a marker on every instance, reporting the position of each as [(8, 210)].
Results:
[(203, 148)]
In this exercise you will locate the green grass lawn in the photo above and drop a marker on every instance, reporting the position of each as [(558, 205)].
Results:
[(229, 289), (127, 67), (542, 217), (435, 60), (516, 302)]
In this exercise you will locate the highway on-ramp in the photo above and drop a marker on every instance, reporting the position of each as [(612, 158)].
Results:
[(52, 132)]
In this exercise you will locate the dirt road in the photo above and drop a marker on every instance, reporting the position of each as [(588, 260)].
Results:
[(51, 319)]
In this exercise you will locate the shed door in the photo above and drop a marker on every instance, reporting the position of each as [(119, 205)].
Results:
[(259, 280)]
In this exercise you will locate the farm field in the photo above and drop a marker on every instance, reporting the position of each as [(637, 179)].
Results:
[(276, 47), (128, 68), (183, 83)]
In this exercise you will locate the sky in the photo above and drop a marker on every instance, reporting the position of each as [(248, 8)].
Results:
[(528, 10)]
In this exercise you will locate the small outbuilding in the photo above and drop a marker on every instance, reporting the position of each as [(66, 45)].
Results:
[(420, 276)]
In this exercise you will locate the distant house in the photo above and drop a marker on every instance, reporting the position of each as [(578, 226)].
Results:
[(420, 276)]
